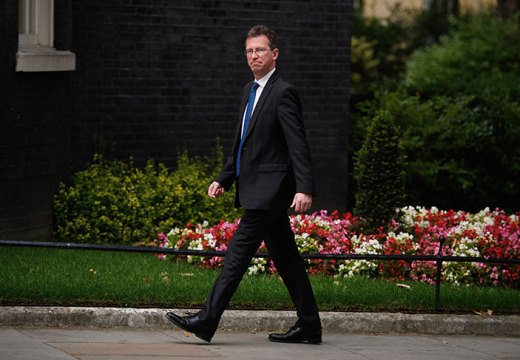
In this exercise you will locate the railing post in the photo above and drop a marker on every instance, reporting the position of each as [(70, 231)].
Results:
[(439, 273)]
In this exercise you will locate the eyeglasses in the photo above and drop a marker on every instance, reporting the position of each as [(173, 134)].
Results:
[(258, 51)]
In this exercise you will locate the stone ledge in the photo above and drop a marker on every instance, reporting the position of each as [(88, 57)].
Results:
[(37, 59), (245, 320)]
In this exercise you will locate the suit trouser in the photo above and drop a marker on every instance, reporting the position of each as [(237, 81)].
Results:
[(274, 228)]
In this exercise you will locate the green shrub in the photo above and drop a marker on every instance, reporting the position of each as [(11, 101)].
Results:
[(380, 51), (393, 39), (379, 172), (363, 64), (479, 57), (462, 152), (115, 202), (460, 125)]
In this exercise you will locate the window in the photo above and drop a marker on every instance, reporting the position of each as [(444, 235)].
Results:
[(36, 39)]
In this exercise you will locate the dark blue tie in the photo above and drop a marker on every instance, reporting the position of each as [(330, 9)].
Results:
[(247, 117)]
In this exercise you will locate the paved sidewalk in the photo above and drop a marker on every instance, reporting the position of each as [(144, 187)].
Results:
[(82, 333), (140, 344)]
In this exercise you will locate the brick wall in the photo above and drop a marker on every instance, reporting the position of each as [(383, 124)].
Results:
[(34, 138), (156, 77)]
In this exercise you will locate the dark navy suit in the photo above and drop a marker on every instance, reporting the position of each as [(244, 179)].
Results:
[(275, 164)]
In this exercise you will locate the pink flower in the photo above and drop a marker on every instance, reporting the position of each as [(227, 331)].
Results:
[(413, 231)]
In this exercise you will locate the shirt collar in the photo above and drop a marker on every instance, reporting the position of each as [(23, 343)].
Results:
[(263, 81)]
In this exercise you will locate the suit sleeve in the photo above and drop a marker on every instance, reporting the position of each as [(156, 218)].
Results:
[(226, 176), (290, 117)]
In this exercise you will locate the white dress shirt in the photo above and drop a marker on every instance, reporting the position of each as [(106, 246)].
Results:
[(261, 84)]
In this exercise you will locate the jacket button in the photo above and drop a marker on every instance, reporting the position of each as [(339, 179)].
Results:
[(244, 149)]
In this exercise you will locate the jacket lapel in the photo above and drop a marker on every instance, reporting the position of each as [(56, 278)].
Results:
[(243, 104), (260, 103)]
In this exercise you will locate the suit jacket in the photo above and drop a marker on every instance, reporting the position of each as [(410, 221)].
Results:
[(275, 160)]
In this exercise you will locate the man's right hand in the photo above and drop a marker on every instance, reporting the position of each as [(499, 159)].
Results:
[(215, 190)]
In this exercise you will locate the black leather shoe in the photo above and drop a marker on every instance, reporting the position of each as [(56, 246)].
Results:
[(193, 325), (298, 334)]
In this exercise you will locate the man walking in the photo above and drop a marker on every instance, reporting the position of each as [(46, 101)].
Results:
[(272, 168)]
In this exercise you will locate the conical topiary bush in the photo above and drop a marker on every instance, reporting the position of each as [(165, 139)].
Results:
[(379, 173)]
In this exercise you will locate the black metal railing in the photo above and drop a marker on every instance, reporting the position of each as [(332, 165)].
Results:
[(439, 258)]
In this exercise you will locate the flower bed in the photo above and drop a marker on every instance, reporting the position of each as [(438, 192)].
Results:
[(415, 232)]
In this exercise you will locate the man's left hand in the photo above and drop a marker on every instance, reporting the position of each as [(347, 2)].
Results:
[(302, 202)]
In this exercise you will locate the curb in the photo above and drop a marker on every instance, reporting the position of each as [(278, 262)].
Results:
[(251, 321)]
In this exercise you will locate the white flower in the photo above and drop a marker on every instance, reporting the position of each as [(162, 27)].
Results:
[(173, 232), (258, 266), (409, 213)]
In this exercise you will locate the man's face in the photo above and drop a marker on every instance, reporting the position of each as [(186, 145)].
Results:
[(260, 58)]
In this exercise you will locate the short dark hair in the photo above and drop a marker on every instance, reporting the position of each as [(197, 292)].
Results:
[(259, 30)]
